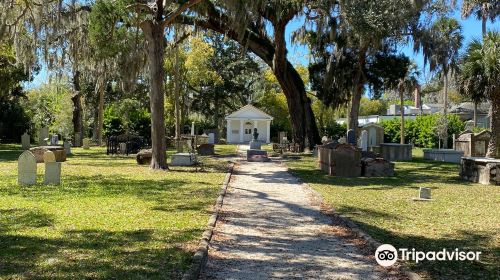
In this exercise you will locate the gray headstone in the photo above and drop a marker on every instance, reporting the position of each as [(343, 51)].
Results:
[(364, 141), (43, 134), (49, 156), (67, 147), (86, 143), (351, 137), (54, 140), (26, 169), (123, 148), (77, 142), (424, 193), (211, 138), (25, 141), (342, 140), (52, 173)]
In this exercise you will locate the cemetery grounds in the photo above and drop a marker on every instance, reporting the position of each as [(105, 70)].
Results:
[(462, 215), (110, 218)]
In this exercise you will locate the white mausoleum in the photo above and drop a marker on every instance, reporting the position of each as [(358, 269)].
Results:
[(241, 123)]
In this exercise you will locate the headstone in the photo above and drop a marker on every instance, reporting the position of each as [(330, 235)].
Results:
[(364, 141), (49, 156), (182, 159), (424, 193), (282, 135), (52, 173), (351, 137), (25, 141), (206, 150), (123, 148), (324, 139), (54, 140), (86, 143), (26, 169), (144, 157), (342, 140), (211, 138), (43, 134), (77, 142), (67, 147)]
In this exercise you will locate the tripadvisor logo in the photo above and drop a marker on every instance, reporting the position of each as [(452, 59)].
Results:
[(387, 255)]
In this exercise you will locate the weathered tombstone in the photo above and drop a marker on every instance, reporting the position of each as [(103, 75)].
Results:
[(67, 147), (86, 143), (351, 137), (211, 138), (123, 148), (364, 140), (324, 139), (144, 157), (54, 140), (26, 169), (43, 134), (342, 140), (206, 149), (52, 173), (25, 141), (424, 193), (49, 156), (77, 142), (282, 137)]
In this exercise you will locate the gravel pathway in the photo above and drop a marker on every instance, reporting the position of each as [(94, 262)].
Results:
[(270, 228)]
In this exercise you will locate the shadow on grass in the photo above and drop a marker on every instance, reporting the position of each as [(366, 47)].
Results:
[(96, 254), (486, 268)]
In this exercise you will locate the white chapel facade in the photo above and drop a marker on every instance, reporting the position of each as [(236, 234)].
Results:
[(240, 125)]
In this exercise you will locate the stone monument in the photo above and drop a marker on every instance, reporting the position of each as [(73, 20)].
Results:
[(25, 141), (255, 153), (26, 169), (351, 137), (52, 169), (43, 134), (255, 143), (364, 141), (54, 140), (86, 144), (211, 138), (67, 147)]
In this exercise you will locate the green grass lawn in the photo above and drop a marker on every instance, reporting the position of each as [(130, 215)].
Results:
[(463, 215), (110, 218)]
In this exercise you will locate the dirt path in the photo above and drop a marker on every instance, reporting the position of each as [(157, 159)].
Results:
[(271, 229)]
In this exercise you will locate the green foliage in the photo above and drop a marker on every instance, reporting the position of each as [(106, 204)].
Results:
[(127, 116), (421, 131), (372, 107)]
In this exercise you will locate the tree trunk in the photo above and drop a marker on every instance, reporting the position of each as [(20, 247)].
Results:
[(100, 88), (494, 116), (402, 112), (475, 114), (77, 110), (445, 110), (176, 102), (156, 48), (357, 92)]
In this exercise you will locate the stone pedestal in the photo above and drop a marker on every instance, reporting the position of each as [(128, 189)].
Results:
[(182, 159), (340, 160), (396, 152), (144, 157), (58, 151), (257, 155), (255, 145), (25, 141), (205, 150), (481, 170), (376, 167), (445, 155)]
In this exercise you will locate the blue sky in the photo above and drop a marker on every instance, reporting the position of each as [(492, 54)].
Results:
[(298, 54)]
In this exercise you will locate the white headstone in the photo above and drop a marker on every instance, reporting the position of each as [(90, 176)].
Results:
[(86, 143), (26, 169), (211, 138), (324, 139), (192, 128), (54, 140), (49, 156), (67, 147), (43, 134), (25, 141), (52, 173), (342, 140), (364, 140)]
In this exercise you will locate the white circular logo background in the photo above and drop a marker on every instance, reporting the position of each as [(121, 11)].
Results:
[(386, 255)]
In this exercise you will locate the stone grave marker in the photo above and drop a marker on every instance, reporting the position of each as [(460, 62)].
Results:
[(324, 139), (77, 140), (342, 140), (49, 156), (54, 140), (26, 169), (52, 173), (351, 137), (211, 138), (25, 141), (86, 143), (364, 141), (43, 134), (67, 147)]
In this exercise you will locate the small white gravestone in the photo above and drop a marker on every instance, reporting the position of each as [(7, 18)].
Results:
[(49, 156), (86, 143), (425, 193), (342, 140), (67, 147), (211, 138), (324, 139), (52, 173), (25, 141), (54, 140), (43, 134), (26, 169), (364, 140)]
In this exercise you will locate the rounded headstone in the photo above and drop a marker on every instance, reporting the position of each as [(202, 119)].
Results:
[(49, 157), (26, 169)]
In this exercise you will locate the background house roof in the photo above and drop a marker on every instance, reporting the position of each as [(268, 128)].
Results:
[(249, 112)]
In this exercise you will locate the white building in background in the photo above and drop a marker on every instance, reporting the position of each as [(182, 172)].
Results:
[(240, 125)]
